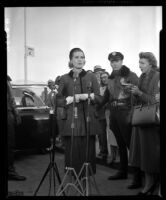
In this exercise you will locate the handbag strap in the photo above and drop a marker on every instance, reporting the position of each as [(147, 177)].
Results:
[(131, 100)]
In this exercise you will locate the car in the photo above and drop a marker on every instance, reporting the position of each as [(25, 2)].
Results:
[(34, 130)]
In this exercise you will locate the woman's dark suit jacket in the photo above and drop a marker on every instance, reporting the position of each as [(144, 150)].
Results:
[(65, 89)]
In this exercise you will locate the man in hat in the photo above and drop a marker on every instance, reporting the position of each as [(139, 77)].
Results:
[(51, 94), (13, 117), (97, 71), (119, 96), (51, 102), (44, 95), (102, 136)]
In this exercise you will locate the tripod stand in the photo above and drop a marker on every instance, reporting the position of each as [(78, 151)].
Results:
[(70, 171), (87, 165), (52, 167)]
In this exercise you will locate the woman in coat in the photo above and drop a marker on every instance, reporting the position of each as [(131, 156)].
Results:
[(145, 141), (78, 82)]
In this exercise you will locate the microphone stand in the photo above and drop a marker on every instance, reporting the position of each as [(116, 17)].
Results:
[(70, 171), (52, 167), (87, 165)]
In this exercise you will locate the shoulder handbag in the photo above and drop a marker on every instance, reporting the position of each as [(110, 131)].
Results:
[(145, 115)]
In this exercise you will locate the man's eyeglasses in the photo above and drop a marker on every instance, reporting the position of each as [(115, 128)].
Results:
[(104, 77)]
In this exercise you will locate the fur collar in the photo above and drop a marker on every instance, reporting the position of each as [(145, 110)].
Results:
[(81, 74), (123, 72), (149, 76)]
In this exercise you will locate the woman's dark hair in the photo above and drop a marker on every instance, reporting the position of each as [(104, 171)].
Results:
[(73, 51), (150, 57), (57, 80)]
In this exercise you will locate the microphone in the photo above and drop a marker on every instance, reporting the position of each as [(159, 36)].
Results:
[(89, 86), (75, 75), (75, 112)]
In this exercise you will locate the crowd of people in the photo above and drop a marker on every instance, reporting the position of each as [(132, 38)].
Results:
[(101, 104)]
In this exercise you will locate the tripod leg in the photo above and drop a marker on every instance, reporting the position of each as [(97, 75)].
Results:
[(97, 189), (77, 181), (90, 173), (68, 186), (54, 179), (50, 175), (87, 181), (81, 171), (83, 184), (61, 185), (57, 174), (47, 170)]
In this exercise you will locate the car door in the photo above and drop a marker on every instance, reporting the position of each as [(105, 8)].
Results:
[(33, 132)]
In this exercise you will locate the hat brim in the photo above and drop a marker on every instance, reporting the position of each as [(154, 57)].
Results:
[(116, 59), (99, 70), (51, 83)]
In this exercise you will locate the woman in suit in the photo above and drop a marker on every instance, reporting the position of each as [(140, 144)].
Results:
[(78, 82), (145, 141)]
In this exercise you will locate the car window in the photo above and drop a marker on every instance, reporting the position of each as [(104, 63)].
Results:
[(27, 101), (18, 101), (26, 98)]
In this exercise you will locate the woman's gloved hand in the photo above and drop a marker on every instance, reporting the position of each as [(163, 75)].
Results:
[(92, 96), (83, 97), (69, 100)]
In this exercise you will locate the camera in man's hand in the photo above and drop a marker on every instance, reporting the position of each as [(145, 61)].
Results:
[(127, 86)]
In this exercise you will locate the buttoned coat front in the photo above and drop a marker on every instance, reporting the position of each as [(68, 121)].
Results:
[(68, 87)]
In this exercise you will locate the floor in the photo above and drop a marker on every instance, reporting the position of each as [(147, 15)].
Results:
[(33, 166)]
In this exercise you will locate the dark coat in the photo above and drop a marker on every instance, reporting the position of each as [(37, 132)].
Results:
[(12, 114), (101, 111), (115, 87), (51, 99), (66, 89), (145, 141), (149, 86)]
